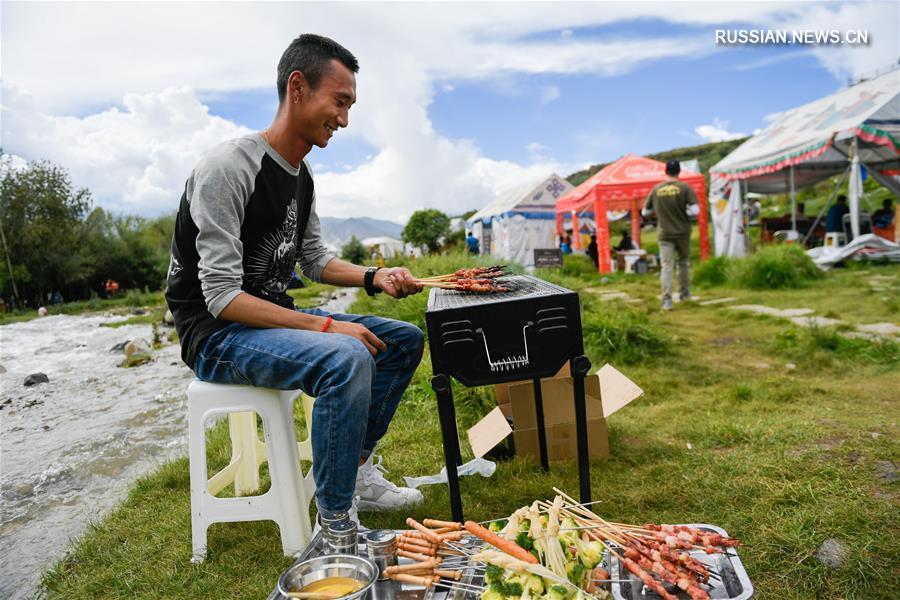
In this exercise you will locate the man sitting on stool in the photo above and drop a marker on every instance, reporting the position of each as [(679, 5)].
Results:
[(246, 218)]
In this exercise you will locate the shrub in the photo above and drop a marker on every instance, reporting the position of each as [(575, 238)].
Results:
[(776, 267), (353, 251), (713, 272), (617, 334)]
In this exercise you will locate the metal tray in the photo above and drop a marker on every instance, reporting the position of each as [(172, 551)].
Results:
[(734, 585)]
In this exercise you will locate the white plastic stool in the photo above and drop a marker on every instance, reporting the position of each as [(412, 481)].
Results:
[(287, 501), (834, 239), (248, 452)]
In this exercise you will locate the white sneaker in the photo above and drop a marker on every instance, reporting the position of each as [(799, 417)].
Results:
[(378, 494)]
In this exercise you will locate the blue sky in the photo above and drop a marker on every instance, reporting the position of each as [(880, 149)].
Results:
[(595, 118), (457, 101)]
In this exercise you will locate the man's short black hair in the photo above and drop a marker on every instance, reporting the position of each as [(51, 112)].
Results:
[(842, 198), (673, 168), (311, 54)]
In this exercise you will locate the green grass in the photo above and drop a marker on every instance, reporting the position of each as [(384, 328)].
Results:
[(773, 267), (127, 301), (726, 433)]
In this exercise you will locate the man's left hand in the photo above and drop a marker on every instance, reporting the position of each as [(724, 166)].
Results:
[(397, 282)]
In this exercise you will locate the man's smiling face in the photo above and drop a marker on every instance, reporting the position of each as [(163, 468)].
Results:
[(323, 110)]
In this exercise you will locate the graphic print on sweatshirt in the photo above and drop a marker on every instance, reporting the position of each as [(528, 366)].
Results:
[(270, 266)]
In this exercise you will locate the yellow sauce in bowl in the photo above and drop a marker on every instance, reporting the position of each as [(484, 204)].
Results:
[(333, 587)]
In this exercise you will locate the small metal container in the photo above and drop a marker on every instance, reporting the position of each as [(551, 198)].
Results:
[(342, 537), (381, 548), (315, 569)]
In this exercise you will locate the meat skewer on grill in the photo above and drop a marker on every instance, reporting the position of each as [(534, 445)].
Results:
[(491, 272), (480, 286)]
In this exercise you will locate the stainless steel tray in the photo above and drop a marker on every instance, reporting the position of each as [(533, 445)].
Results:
[(734, 583)]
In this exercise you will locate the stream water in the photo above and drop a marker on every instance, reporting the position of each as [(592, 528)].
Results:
[(71, 448)]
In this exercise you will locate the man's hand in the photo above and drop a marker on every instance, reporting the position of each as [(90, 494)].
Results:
[(360, 332), (397, 282)]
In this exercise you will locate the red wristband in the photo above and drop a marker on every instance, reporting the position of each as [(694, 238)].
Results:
[(327, 324)]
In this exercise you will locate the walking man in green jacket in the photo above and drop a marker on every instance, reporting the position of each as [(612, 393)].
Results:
[(674, 202)]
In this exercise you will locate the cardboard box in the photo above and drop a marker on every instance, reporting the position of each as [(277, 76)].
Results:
[(605, 392), (501, 390)]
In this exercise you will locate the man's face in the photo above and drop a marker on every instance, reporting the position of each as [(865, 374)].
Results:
[(323, 110)]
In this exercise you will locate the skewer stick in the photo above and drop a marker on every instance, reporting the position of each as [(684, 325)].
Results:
[(455, 575), (589, 512), (431, 563), (563, 506), (429, 534), (413, 555), (414, 579), (449, 525)]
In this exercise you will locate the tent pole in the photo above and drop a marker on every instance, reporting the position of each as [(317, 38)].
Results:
[(635, 226), (745, 215), (793, 202), (853, 189), (602, 228), (827, 205), (576, 236)]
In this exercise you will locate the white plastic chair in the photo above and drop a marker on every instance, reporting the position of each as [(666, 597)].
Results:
[(287, 500)]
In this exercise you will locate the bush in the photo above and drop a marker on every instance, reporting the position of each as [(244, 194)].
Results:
[(713, 272), (353, 251), (618, 334), (777, 267)]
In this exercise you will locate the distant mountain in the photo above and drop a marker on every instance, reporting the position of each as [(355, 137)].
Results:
[(337, 232), (706, 154)]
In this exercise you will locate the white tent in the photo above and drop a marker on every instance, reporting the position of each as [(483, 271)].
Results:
[(388, 247), (519, 221), (859, 125)]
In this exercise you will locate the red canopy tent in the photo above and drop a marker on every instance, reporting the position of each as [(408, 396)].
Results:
[(624, 185)]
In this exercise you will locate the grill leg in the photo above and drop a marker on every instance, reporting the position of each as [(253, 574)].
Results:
[(539, 413), (440, 383), (580, 365)]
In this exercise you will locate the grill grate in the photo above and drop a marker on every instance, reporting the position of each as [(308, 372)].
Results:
[(520, 286)]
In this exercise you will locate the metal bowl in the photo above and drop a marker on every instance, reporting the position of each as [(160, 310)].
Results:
[(315, 569)]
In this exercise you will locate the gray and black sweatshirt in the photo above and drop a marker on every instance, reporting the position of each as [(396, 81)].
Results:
[(245, 219)]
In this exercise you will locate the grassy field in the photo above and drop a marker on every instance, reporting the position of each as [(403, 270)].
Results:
[(784, 436)]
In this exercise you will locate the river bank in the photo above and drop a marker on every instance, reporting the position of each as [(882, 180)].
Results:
[(73, 446)]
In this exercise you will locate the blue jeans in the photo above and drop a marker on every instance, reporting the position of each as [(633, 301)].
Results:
[(356, 394)]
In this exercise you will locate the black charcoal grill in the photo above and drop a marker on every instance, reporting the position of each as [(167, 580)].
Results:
[(526, 333)]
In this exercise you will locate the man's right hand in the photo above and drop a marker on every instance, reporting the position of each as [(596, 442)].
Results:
[(360, 332)]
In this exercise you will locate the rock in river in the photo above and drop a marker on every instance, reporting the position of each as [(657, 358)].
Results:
[(36, 378)]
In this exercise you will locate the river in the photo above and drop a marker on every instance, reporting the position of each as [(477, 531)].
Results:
[(71, 448)]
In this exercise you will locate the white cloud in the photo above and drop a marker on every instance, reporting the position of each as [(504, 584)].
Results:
[(717, 132), (537, 151), (851, 62), (134, 160), (71, 60), (549, 94)]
